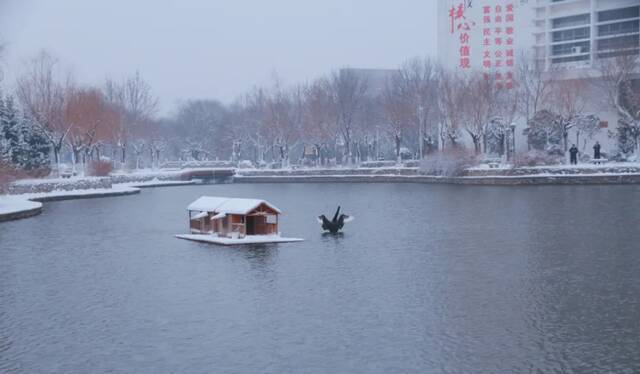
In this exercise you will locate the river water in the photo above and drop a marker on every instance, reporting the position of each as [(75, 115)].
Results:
[(446, 279)]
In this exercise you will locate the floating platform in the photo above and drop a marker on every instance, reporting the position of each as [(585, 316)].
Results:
[(249, 239)]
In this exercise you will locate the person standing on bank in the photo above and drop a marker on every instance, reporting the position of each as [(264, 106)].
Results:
[(596, 151), (573, 152)]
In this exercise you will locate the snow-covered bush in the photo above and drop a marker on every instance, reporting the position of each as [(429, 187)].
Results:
[(449, 163), (411, 163), (377, 164), (537, 158), (627, 136), (99, 168), (8, 173), (544, 131), (245, 164)]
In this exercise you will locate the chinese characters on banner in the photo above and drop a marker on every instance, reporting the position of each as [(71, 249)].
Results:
[(498, 44), (462, 27)]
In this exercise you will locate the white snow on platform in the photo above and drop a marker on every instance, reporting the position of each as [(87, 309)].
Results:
[(250, 239), (155, 183), (12, 204)]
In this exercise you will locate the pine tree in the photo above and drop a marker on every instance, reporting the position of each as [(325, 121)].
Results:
[(11, 129), (5, 150), (35, 151), (22, 142), (627, 137)]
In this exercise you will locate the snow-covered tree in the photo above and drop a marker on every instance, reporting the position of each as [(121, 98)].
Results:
[(586, 126), (569, 102), (318, 128), (5, 145), (451, 99), (621, 86), (136, 104), (42, 95), (496, 135), (10, 124), (36, 148), (397, 108), (348, 92), (22, 142), (544, 131)]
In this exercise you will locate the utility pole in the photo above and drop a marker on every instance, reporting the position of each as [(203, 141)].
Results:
[(420, 135)]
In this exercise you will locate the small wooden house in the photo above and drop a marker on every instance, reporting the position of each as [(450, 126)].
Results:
[(232, 217)]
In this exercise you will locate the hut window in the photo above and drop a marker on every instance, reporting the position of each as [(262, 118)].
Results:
[(271, 219)]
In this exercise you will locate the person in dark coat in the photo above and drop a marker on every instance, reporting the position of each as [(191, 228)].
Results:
[(573, 152), (596, 151)]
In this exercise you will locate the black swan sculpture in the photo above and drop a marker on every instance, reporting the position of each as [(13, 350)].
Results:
[(336, 223)]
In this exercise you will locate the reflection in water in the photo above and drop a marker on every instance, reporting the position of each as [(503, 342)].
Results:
[(454, 279)]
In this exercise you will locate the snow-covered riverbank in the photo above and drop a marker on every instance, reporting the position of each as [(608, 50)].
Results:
[(27, 205), (15, 206)]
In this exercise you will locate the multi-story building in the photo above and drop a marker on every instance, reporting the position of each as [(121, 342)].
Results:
[(476, 34), (569, 37), (576, 33)]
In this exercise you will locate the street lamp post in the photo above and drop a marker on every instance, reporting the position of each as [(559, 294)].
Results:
[(513, 140), (420, 134)]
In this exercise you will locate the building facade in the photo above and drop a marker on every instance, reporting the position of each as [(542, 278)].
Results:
[(576, 33), (487, 34), (568, 36)]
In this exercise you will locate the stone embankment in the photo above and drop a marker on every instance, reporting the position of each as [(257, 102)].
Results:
[(560, 175), (25, 197)]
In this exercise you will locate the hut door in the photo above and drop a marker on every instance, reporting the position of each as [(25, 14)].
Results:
[(251, 225)]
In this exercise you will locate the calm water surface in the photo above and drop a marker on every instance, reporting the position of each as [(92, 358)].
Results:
[(426, 279)]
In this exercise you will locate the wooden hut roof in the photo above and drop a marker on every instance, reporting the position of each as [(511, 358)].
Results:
[(228, 205)]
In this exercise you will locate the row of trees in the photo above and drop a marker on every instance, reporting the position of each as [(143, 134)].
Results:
[(83, 120), (423, 108), (342, 117)]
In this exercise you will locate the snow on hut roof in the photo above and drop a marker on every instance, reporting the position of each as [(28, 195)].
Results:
[(200, 215), (207, 203), (228, 205)]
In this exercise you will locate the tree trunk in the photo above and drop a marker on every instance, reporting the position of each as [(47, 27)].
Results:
[(398, 141), (477, 145)]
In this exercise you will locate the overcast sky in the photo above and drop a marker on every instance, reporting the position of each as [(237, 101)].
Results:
[(213, 48)]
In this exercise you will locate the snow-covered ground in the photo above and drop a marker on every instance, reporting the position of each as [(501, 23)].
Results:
[(61, 181), (551, 175), (149, 172), (97, 192), (608, 165), (13, 204), (249, 239), (155, 183)]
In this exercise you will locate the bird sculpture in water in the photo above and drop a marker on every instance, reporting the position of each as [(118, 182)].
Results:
[(336, 223)]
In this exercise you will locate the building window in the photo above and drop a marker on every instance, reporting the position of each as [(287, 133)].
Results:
[(561, 60), (624, 13), (579, 20), (571, 48), (620, 43), (627, 27), (572, 34)]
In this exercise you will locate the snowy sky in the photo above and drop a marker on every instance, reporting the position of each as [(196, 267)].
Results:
[(215, 48)]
